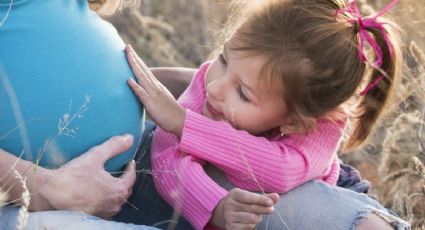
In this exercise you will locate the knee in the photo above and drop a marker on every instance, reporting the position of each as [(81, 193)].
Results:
[(373, 221)]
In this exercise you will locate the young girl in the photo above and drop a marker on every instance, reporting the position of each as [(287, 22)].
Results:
[(268, 111), (106, 198)]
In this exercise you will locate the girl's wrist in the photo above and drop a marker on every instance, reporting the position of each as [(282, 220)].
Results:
[(179, 122), (217, 218)]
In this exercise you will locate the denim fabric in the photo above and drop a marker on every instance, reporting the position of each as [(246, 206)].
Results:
[(317, 205), (350, 178), (62, 220), (314, 205)]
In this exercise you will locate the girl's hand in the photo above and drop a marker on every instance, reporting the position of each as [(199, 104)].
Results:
[(242, 209), (160, 104), (83, 184)]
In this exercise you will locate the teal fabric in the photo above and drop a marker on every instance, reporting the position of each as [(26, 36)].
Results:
[(59, 59)]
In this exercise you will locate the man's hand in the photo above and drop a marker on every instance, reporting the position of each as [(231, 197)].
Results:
[(83, 184)]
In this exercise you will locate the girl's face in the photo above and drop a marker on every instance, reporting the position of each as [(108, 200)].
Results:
[(236, 94)]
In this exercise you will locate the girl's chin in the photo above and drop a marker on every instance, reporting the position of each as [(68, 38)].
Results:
[(205, 112)]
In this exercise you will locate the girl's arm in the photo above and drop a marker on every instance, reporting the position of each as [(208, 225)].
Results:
[(256, 163), (82, 184), (181, 180)]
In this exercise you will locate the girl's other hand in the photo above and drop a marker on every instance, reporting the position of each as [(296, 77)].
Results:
[(160, 104), (242, 209), (83, 184)]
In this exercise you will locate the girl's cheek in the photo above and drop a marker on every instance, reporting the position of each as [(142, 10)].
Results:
[(211, 74), (235, 112)]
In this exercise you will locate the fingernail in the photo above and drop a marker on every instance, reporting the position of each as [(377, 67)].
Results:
[(128, 138)]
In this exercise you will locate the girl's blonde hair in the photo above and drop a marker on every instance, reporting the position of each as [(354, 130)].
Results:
[(109, 7), (315, 58)]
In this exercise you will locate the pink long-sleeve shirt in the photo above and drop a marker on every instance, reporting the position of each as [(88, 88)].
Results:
[(250, 162)]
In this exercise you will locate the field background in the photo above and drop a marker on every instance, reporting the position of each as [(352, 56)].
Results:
[(181, 33)]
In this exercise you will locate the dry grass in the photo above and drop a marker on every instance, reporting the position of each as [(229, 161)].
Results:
[(417, 54), (3, 198), (26, 197), (172, 33)]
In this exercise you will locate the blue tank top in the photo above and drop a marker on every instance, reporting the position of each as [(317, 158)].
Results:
[(63, 85)]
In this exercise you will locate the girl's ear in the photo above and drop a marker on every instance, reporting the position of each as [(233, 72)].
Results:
[(301, 126)]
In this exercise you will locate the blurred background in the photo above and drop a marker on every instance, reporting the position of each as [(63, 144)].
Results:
[(182, 33)]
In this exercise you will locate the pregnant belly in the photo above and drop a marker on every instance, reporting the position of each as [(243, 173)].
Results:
[(63, 84), (51, 117)]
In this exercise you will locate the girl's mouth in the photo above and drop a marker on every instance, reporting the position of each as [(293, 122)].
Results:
[(211, 109)]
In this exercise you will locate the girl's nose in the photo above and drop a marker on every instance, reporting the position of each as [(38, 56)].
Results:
[(216, 89)]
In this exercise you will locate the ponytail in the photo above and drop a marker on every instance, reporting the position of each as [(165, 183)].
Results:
[(373, 103)]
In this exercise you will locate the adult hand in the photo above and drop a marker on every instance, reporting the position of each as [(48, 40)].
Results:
[(83, 184), (243, 210), (159, 103)]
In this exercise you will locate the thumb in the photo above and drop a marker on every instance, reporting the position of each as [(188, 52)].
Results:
[(129, 176), (112, 147)]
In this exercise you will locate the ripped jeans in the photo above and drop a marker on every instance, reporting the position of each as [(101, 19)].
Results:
[(313, 205)]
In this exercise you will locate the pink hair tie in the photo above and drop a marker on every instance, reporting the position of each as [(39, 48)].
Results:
[(353, 12)]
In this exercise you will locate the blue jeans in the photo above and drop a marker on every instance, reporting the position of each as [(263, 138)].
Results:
[(313, 205)]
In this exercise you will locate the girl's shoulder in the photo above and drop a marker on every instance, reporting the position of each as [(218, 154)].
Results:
[(197, 85)]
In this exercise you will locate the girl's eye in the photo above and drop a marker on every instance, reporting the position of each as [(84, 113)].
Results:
[(222, 60), (241, 94)]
